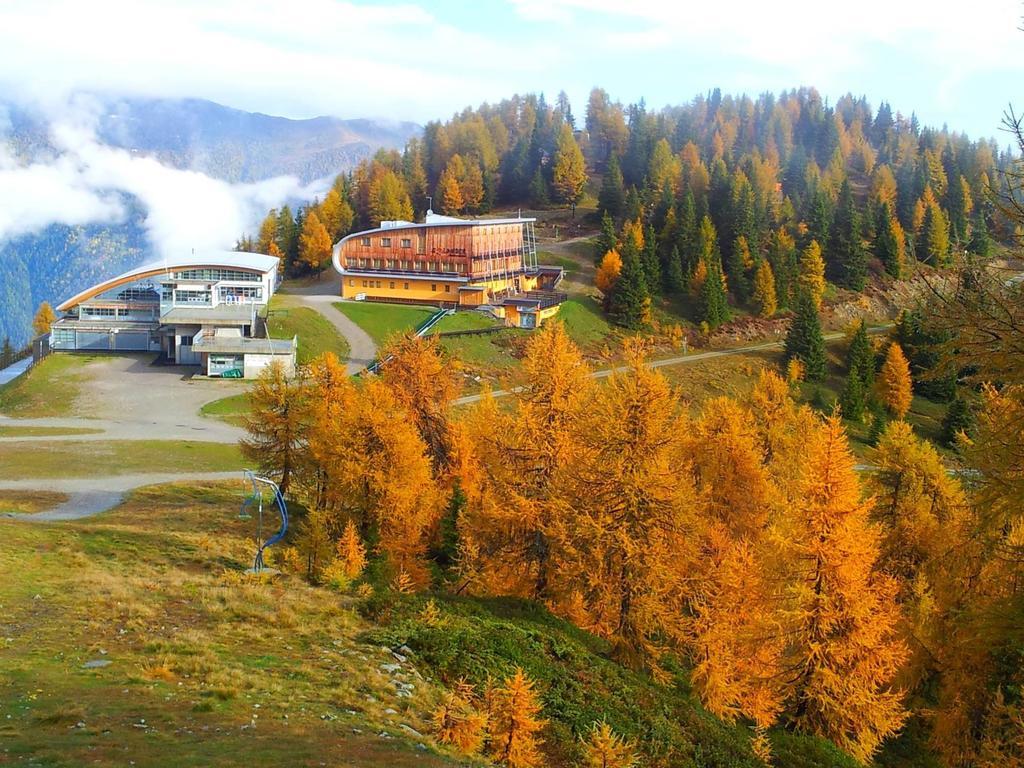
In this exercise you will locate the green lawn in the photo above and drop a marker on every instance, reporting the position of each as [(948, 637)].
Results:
[(585, 322), (488, 354), (114, 457), (229, 409), (466, 320), (315, 332), (382, 321), (571, 266), (48, 389), (16, 431)]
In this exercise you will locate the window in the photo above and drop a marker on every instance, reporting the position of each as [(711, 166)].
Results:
[(433, 287), (385, 242), (62, 337), (421, 243), (365, 241), (406, 242), (447, 288), (407, 286), (352, 283), (364, 283), (99, 311), (391, 285), (186, 341), (192, 297), (378, 283), (219, 274), (240, 293)]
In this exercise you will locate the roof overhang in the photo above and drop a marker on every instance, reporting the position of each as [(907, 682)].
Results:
[(247, 262)]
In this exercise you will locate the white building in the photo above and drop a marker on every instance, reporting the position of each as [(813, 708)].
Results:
[(202, 310)]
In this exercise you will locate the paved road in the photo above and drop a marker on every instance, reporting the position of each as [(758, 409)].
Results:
[(128, 398), (88, 496), (11, 372), (321, 295)]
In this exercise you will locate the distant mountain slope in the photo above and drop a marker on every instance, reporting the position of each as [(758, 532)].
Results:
[(235, 146), (221, 142)]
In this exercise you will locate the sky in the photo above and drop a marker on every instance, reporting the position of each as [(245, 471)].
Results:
[(951, 63)]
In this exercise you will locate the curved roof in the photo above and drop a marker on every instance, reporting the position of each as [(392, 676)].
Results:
[(431, 220), (255, 262)]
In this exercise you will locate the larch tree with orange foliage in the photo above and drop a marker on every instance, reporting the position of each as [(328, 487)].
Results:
[(458, 722), (314, 243), (608, 274), (605, 749), (424, 380), (351, 552), (843, 652), (523, 454), (377, 470), (515, 723), (627, 535), (894, 383)]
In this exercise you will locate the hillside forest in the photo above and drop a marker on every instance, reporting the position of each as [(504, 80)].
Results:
[(763, 195)]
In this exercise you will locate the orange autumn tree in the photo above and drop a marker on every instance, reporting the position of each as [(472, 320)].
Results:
[(351, 552), (515, 723), (626, 540), (894, 384), (608, 273), (521, 455), (605, 749), (458, 722), (376, 470), (424, 380), (843, 652)]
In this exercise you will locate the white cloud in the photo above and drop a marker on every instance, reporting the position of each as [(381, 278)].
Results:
[(298, 59), (86, 180)]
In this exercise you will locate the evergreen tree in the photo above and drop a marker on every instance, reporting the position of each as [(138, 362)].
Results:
[(804, 341), (686, 233), (852, 398), (634, 208), (675, 279), (649, 260), (630, 304), (783, 258), (959, 418), (608, 240), (539, 197), (287, 236), (860, 358), (981, 244), (819, 220), (6, 353), (737, 263), (888, 245), (611, 200), (935, 237), (714, 308), (845, 261)]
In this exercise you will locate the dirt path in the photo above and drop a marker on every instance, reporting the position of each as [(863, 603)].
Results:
[(679, 360), (88, 496), (320, 296)]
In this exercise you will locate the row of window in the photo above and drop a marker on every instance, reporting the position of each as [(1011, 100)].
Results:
[(408, 265), (191, 297), (391, 285), (229, 293), (119, 312), (218, 274), (404, 242)]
